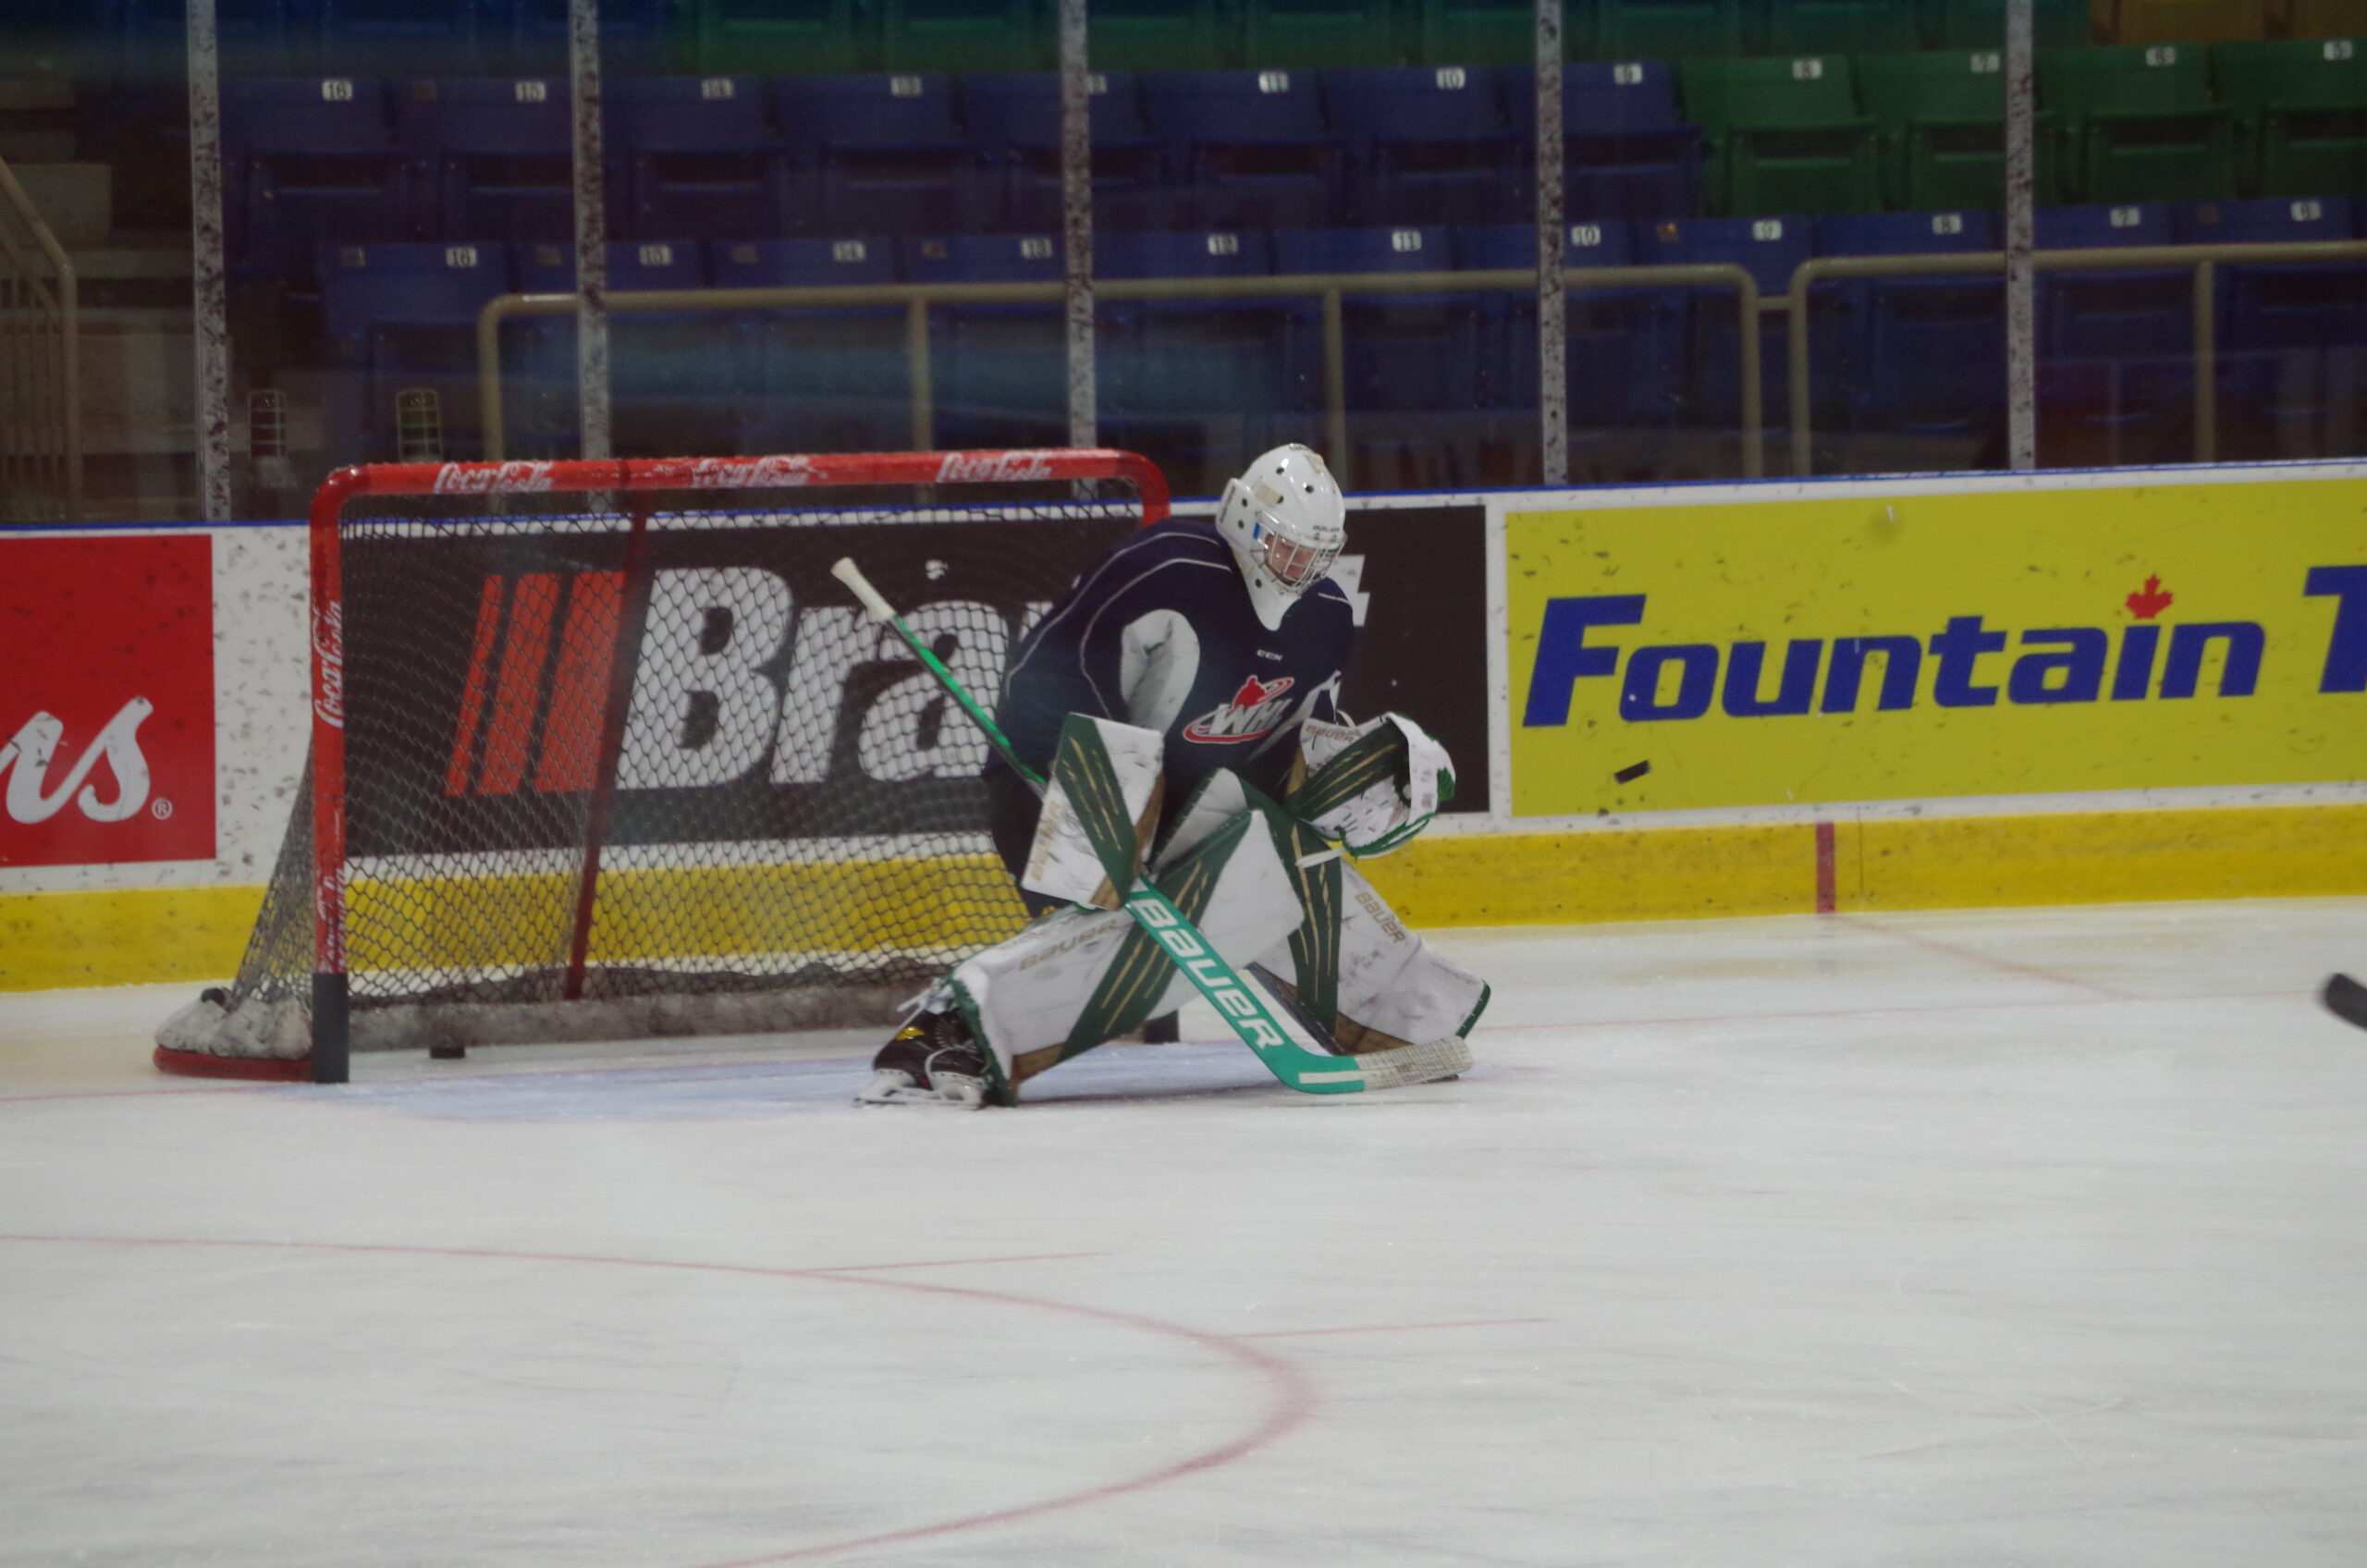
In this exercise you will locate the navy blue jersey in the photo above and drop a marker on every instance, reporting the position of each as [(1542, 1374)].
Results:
[(1159, 633)]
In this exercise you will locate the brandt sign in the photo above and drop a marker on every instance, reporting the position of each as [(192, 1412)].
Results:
[(106, 754)]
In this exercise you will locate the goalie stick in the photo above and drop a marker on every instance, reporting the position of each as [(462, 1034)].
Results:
[(1251, 1022), (2346, 998)]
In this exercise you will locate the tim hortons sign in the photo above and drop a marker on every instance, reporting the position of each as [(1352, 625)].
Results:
[(106, 749)]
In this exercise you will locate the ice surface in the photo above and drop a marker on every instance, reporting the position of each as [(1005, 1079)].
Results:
[(2010, 1237)]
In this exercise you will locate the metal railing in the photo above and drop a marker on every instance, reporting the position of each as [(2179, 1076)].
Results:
[(2204, 258), (1327, 288), (41, 369)]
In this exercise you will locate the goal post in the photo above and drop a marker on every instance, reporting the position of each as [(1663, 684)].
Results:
[(598, 750)]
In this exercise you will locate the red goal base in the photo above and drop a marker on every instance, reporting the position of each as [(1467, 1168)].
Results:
[(205, 1064)]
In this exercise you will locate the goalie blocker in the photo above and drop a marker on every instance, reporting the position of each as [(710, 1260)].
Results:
[(1265, 889)]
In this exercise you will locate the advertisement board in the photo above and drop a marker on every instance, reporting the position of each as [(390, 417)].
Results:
[(476, 667), (1865, 647), (107, 755)]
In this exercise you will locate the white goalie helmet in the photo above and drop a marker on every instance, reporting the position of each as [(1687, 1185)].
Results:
[(1286, 519)]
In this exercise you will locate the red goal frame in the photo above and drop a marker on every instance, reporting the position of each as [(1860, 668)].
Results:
[(330, 1055)]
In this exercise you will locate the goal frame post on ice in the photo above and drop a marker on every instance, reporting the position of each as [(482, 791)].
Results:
[(329, 1057)]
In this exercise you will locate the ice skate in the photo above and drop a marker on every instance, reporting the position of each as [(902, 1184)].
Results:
[(929, 1061)]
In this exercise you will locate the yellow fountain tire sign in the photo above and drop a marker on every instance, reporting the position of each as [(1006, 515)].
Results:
[(1870, 647)]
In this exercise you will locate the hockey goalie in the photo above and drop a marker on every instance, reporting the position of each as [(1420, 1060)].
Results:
[(1184, 690)]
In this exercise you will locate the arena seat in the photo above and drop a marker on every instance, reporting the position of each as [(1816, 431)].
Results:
[(1943, 120), (962, 35), (1924, 356), (147, 41), (1488, 32), (2325, 19), (1625, 345), (669, 381), (1662, 30), (310, 161), (2115, 349), (1014, 126), (1767, 248), (2139, 123), (999, 373), (2292, 339), (1200, 383), (880, 152), (400, 317), (699, 155), (1785, 135), (529, 37), (1252, 146), (1318, 33), (1426, 144), (2301, 110), (816, 380), (1840, 27), (1627, 151), (498, 152), (1981, 24), (760, 37), (1151, 35)]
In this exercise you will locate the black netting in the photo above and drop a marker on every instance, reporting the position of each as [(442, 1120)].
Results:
[(793, 807)]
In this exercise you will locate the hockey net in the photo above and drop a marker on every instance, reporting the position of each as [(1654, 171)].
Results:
[(600, 750)]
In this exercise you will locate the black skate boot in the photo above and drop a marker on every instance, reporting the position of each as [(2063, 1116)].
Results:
[(931, 1060)]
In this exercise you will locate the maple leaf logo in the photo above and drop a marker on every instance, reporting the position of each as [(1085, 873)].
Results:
[(2150, 600)]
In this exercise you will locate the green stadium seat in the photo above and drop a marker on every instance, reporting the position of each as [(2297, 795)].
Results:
[(2301, 112), (1943, 119), (764, 37), (1661, 29), (1785, 135), (2182, 21), (1492, 32), (1981, 24), (1162, 35), (967, 35), (2325, 19), (1321, 33), (2138, 124), (1841, 27)]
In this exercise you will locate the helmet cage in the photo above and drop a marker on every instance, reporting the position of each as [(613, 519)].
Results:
[(1296, 565)]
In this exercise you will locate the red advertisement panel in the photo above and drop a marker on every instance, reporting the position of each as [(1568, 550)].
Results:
[(106, 700)]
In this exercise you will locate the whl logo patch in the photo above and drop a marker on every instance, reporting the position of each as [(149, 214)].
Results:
[(1252, 714)]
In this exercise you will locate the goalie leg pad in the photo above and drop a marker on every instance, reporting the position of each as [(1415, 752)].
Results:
[(1393, 990), (1081, 976)]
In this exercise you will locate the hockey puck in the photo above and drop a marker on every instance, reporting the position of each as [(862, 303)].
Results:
[(448, 1053), (1630, 774)]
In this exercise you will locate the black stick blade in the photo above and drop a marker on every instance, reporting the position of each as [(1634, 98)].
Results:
[(2346, 998)]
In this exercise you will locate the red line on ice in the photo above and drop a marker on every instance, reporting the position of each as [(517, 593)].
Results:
[(1290, 1394), (1386, 1328)]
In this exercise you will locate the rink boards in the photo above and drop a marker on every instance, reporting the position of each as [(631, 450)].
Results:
[(1708, 700)]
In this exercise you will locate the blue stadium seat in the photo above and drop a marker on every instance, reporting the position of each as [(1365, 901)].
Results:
[(2291, 339), (1000, 374), (1628, 153), (1426, 144), (1014, 121), (1922, 356), (1252, 146), (310, 161), (1624, 344), (1411, 361), (2115, 369), (498, 152), (880, 154), (815, 379), (401, 318), (529, 37), (699, 155), (1767, 248), (671, 389), (401, 37), (1198, 385)]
